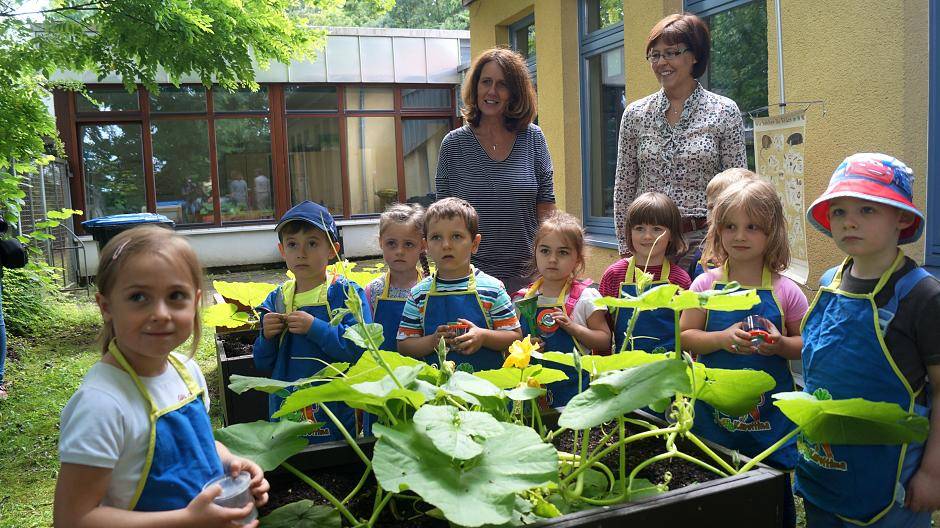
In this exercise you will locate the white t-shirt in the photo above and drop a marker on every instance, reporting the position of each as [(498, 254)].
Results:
[(106, 423), (583, 309)]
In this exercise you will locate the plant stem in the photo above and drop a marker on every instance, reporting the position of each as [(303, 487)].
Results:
[(700, 463), (707, 450), (608, 449), (378, 510), (359, 485), (349, 439), (770, 450), (623, 456), (322, 491)]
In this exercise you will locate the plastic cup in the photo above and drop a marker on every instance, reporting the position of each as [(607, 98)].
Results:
[(457, 329), (236, 493)]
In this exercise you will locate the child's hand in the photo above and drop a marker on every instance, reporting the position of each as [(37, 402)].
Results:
[(770, 346), (923, 491), (204, 512), (736, 340), (471, 341), (298, 322), (259, 485), (563, 320), (273, 324)]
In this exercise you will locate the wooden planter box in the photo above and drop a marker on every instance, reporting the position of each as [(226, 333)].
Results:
[(250, 406), (753, 499)]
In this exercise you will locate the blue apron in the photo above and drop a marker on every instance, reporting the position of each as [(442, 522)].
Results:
[(181, 454), (844, 352), (446, 307), (387, 313), (765, 424), (558, 393), (653, 328)]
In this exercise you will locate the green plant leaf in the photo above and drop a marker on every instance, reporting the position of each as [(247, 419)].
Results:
[(250, 294), (360, 333), (385, 386), (473, 493), (225, 315), (239, 384), (453, 432), (267, 443), (302, 514), (507, 378), (852, 421), (728, 299), (525, 393), (651, 299), (733, 392), (624, 391), (595, 365)]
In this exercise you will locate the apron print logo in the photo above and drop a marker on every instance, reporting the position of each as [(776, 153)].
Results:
[(308, 414), (819, 454), (749, 422)]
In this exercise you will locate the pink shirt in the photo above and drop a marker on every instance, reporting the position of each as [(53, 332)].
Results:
[(788, 293)]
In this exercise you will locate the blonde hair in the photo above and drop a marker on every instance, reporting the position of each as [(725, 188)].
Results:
[(655, 208), (725, 179), (759, 201), (410, 215), (146, 240), (570, 230)]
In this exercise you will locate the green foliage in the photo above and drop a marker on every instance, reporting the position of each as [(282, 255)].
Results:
[(302, 514), (28, 299), (733, 392), (431, 14), (227, 315), (269, 444)]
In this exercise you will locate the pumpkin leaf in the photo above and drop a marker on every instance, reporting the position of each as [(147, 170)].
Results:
[(453, 432), (268, 444), (852, 421), (302, 514)]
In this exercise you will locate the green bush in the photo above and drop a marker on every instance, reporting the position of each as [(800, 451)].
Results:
[(29, 297)]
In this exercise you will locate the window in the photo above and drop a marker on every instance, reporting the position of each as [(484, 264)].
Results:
[(243, 147), (371, 163), (933, 138), (416, 98), (313, 159), (106, 100), (302, 98), (421, 144), (602, 104), (112, 161), (175, 100), (522, 39), (240, 100), (369, 98), (181, 170)]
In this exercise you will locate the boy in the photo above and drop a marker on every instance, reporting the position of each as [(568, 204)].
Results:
[(716, 186), (457, 293), (872, 333), (296, 337)]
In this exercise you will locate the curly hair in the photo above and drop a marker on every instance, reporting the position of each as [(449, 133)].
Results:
[(522, 107)]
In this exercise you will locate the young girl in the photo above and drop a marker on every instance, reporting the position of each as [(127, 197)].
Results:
[(402, 240), (561, 306), (748, 237), (655, 235), (136, 444)]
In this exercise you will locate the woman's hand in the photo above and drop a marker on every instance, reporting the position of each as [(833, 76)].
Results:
[(471, 341)]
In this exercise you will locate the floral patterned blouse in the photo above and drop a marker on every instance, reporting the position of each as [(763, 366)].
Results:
[(679, 159)]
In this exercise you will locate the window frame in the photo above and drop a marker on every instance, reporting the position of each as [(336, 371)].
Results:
[(932, 244), (530, 58)]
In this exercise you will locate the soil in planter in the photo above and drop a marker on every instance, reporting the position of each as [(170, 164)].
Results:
[(285, 488), (238, 343)]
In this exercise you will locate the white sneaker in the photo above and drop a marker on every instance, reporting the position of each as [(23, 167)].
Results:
[(3, 392)]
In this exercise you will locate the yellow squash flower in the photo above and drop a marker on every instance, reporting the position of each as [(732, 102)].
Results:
[(520, 352)]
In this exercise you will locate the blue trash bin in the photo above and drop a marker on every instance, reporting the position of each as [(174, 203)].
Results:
[(104, 228)]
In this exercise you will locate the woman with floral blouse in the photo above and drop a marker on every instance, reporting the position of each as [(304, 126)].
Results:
[(675, 140)]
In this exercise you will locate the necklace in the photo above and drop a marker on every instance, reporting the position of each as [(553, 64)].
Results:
[(494, 146)]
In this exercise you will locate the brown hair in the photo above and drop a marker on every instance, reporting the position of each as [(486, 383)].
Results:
[(450, 208), (655, 208), (522, 107), (685, 29), (570, 230), (725, 179), (759, 201), (146, 240), (411, 215)]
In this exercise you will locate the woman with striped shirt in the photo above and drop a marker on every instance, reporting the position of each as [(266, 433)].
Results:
[(499, 162)]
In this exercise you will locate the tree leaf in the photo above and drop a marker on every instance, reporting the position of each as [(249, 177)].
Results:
[(625, 391), (267, 443), (853, 421), (302, 514), (453, 432), (473, 493)]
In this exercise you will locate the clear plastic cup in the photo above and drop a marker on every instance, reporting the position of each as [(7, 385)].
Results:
[(236, 493)]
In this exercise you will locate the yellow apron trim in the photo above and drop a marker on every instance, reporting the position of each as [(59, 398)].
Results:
[(288, 294), (471, 288), (766, 284), (629, 279), (388, 283), (154, 412)]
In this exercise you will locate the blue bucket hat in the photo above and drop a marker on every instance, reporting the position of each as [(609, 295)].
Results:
[(312, 213)]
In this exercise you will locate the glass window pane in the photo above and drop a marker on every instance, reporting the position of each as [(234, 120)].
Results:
[(369, 98), (606, 103), (108, 100), (739, 76), (114, 170), (315, 98), (427, 98), (182, 99), (523, 39), (181, 170), (603, 13), (422, 143), (314, 162), (372, 163), (243, 147), (240, 101)]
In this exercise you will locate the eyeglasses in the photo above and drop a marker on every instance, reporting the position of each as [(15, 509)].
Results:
[(669, 55)]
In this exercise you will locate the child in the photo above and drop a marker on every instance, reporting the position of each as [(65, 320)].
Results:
[(296, 336), (563, 310), (655, 235), (402, 242), (748, 237), (136, 444), (715, 187), (457, 293), (872, 333)]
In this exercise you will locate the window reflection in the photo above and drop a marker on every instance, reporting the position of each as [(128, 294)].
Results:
[(422, 143), (371, 163), (314, 162), (106, 100), (181, 170), (243, 147), (114, 174), (606, 103)]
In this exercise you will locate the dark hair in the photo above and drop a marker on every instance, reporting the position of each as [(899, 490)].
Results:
[(522, 107), (686, 29), (450, 208), (298, 226), (655, 208)]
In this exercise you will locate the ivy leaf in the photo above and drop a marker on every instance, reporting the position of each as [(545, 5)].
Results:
[(853, 421), (268, 444), (453, 432), (302, 514)]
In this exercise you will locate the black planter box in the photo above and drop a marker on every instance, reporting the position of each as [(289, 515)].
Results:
[(249, 406), (752, 500)]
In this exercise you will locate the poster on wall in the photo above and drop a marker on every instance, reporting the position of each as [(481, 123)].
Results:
[(778, 155)]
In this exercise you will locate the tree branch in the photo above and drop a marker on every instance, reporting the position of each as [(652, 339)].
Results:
[(80, 7)]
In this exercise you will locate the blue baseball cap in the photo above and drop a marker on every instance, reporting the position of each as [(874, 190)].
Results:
[(312, 213)]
